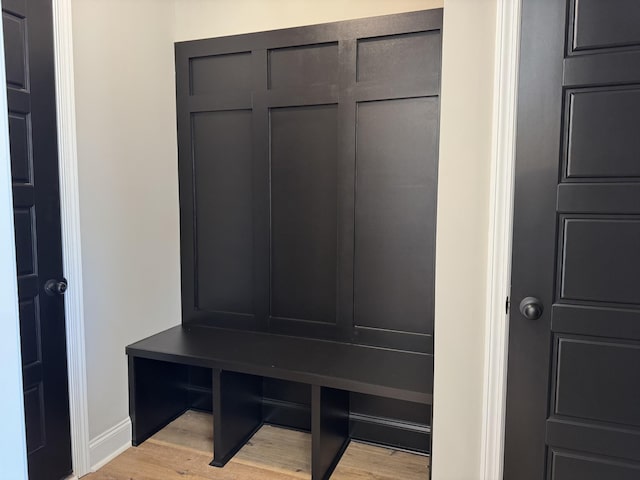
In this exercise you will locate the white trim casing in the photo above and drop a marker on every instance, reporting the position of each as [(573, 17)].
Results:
[(71, 247), (500, 231)]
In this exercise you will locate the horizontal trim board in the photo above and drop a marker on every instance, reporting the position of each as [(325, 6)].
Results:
[(376, 430), (286, 414), (218, 103), (382, 431)]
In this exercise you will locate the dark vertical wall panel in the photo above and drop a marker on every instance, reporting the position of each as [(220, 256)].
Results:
[(333, 134), (397, 149), (303, 212), (223, 203)]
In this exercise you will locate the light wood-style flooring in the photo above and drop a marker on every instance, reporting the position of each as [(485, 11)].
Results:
[(183, 450)]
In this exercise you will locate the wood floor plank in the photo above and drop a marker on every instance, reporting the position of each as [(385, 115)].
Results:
[(183, 450)]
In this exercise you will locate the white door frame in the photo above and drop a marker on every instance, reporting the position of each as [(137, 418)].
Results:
[(71, 242), (500, 233)]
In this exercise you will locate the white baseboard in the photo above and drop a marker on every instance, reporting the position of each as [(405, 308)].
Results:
[(108, 445)]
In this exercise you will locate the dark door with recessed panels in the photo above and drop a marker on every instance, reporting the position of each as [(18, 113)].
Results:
[(28, 41), (573, 400)]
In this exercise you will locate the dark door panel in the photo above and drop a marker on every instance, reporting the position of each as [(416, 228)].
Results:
[(573, 399), (28, 37)]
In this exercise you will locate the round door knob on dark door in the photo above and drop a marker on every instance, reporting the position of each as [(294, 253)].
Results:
[(531, 308), (55, 287)]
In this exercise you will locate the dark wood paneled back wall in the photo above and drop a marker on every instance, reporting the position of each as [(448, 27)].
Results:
[(308, 174)]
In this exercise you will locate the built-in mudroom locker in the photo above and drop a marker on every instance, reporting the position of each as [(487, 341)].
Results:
[(308, 182)]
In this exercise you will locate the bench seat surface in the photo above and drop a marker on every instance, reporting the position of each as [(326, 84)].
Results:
[(357, 368)]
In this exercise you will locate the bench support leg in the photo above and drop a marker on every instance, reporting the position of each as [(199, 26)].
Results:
[(156, 396), (237, 412), (329, 430)]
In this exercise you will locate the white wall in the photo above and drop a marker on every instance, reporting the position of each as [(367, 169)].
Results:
[(128, 181), (214, 18), (13, 454), (127, 161), (462, 236)]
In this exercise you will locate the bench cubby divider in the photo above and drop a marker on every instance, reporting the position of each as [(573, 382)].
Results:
[(237, 412), (329, 429)]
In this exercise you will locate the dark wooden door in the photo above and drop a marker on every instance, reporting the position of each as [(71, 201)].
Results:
[(573, 401), (28, 40)]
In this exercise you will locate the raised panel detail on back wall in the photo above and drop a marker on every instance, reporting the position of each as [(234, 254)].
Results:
[(413, 56), (303, 212), (308, 180), (396, 168), (221, 74), (222, 157), (303, 66)]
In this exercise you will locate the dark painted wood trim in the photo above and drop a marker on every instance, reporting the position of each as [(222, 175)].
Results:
[(156, 396), (329, 430), (389, 432), (237, 412)]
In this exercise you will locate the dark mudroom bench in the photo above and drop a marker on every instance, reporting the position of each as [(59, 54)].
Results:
[(159, 384)]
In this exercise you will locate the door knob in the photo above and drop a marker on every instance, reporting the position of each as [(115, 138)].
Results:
[(531, 308), (55, 287)]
